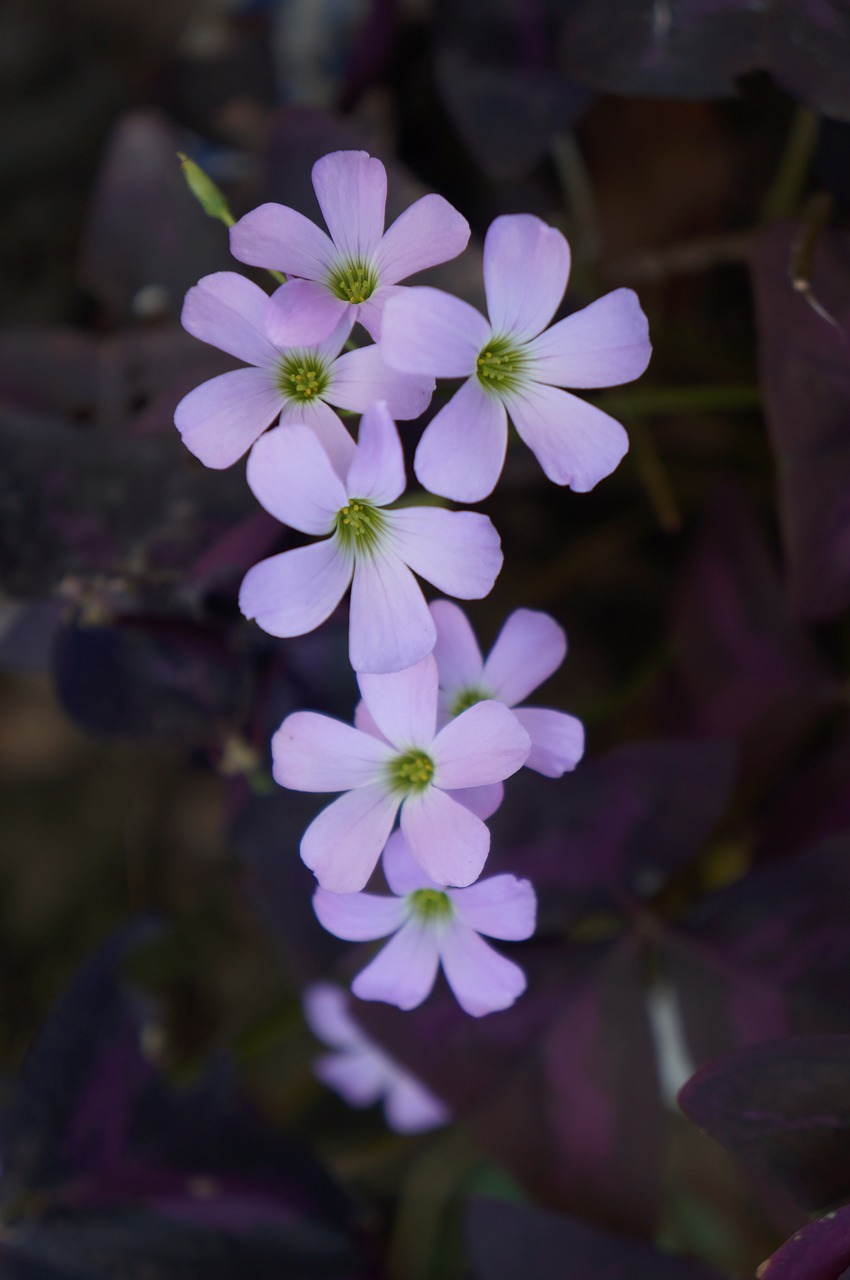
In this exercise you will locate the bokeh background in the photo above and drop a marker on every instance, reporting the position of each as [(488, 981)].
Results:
[(160, 1117)]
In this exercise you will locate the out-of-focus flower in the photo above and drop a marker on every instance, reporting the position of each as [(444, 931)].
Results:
[(363, 1074), (375, 550), (299, 382), (433, 926), (354, 271), (515, 366), (410, 769), (528, 649)]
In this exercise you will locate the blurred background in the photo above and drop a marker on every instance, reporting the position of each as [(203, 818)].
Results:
[(692, 873)]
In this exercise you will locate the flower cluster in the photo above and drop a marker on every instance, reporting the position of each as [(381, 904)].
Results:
[(439, 728)]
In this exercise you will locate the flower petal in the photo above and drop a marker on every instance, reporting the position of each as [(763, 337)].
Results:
[(342, 845), (501, 906), (526, 268), (326, 1014), (462, 450), (221, 419), (557, 740), (359, 1076), (484, 744), (411, 1108), (331, 434), (361, 377), (447, 840), (428, 331), (574, 442), (456, 653), (482, 980), (278, 237), (371, 312), (482, 801), (402, 872), (429, 232), (458, 551), (528, 649), (377, 469), (403, 972), (390, 627), (404, 704), (603, 345), (290, 474), (351, 188), (303, 313), (229, 312), (358, 917), (313, 752), (292, 593)]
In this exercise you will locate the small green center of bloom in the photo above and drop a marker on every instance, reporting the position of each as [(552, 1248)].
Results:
[(430, 905), (467, 698), (353, 281), (359, 525), (501, 365), (411, 773), (303, 376)]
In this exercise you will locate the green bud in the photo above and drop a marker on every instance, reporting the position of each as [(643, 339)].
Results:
[(205, 191)]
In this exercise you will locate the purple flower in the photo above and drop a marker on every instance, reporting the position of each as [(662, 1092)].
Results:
[(408, 771), (528, 649), (375, 550), (433, 926), (514, 368), (354, 271), (360, 1072), (221, 419)]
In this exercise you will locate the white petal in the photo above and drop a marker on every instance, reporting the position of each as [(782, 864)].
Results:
[(221, 419), (342, 845), (574, 442), (229, 312), (361, 377), (390, 627), (484, 744), (292, 593), (603, 345), (290, 474), (404, 705), (448, 841), (377, 469), (313, 752), (526, 268), (501, 906), (456, 652), (403, 972), (278, 237), (429, 232), (459, 552), (462, 450), (482, 980), (528, 649), (351, 188), (358, 917), (428, 331), (402, 872), (557, 740)]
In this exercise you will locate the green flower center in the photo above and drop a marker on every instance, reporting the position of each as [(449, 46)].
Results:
[(430, 905), (303, 376), (467, 698), (411, 773), (353, 281), (501, 365), (359, 525)]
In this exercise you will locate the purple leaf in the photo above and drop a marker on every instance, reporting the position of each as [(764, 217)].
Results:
[(819, 1251), (782, 1108), (510, 1240), (806, 379)]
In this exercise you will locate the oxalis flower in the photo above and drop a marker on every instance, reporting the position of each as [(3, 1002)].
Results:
[(408, 771), (363, 1074), (356, 269), (433, 926), (515, 369), (375, 550), (529, 648), (221, 419)]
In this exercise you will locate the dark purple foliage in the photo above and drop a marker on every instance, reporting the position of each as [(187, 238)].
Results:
[(819, 1251)]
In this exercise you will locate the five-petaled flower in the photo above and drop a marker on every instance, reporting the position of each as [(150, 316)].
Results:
[(221, 419), (360, 1072), (408, 771), (433, 926), (513, 368), (357, 268), (528, 649), (375, 550)]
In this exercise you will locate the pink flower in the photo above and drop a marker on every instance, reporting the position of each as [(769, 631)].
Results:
[(408, 771), (433, 926), (529, 648), (360, 1072), (513, 368), (221, 419), (374, 550), (354, 271)]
